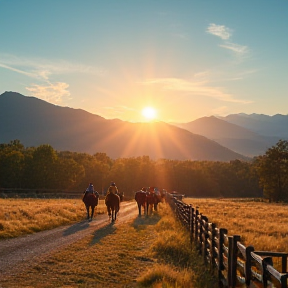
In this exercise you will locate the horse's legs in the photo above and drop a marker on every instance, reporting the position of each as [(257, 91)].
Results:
[(155, 206), (139, 208), (115, 213), (87, 208), (109, 211), (92, 211)]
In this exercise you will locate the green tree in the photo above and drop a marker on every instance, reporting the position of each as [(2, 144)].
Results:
[(273, 172), (11, 164), (43, 166)]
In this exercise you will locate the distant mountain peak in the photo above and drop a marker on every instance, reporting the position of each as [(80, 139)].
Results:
[(35, 122)]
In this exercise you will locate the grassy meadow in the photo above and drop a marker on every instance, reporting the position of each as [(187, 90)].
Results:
[(25, 216), (260, 224), (149, 251)]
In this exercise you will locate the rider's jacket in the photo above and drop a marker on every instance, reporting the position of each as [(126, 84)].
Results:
[(113, 190)]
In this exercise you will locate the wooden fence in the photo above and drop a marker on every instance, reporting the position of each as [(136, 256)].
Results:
[(38, 193), (235, 264)]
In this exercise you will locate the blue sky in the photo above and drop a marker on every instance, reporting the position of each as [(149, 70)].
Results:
[(186, 59)]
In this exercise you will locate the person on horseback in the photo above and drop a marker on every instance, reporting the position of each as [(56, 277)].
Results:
[(90, 189), (112, 189)]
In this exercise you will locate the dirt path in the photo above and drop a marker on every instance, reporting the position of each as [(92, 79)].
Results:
[(23, 251)]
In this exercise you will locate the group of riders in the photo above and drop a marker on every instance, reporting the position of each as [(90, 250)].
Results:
[(154, 191), (112, 189)]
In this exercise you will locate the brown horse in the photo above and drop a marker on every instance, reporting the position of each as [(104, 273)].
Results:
[(112, 202), (151, 202), (140, 197), (153, 198), (90, 200)]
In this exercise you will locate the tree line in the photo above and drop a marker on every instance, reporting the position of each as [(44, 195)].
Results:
[(43, 167)]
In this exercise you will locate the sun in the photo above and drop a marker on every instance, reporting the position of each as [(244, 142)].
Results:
[(149, 113)]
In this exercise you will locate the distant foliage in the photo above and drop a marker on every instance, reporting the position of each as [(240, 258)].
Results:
[(272, 168), (45, 168)]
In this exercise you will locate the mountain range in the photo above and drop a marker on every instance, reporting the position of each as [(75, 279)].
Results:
[(35, 122), (250, 135)]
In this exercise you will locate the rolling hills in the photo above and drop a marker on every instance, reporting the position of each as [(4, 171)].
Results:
[(35, 122), (240, 134)]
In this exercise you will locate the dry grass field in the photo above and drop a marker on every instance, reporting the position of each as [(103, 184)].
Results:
[(25, 216), (260, 224), (149, 251)]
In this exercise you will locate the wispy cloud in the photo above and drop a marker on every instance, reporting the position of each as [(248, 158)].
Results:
[(42, 71), (239, 49), (200, 88), (219, 30), (53, 93), (226, 33), (29, 74)]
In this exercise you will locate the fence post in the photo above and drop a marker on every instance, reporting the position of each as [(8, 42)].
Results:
[(248, 275), (221, 266), (196, 224), (232, 260), (212, 245), (191, 223)]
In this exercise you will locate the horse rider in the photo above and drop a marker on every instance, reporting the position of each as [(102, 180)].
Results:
[(90, 189), (113, 189)]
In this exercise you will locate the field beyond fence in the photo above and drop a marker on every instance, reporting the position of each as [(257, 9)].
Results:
[(244, 241)]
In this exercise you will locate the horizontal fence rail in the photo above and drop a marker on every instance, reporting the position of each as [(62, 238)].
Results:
[(38, 193), (235, 264)]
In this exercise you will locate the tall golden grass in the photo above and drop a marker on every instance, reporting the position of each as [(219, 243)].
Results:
[(260, 224), (25, 216), (149, 251)]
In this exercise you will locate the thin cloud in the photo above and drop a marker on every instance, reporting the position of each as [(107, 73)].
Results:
[(43, 70), (239, 49), (53, 93), (194, 88), (32, 75), (220, 31)]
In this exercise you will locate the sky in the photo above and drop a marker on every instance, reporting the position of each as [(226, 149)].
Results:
[(183, 59)]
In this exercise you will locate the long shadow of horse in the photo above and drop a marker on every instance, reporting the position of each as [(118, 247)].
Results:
[(140, 223), (102, 232), (75, 228)]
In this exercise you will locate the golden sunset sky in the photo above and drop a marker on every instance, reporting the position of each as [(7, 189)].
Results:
[(185, 59)]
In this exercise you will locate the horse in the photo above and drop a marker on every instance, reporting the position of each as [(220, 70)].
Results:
[(90, 200), (151, 201), (140, 197), (121, 195), (153, 198), (112, 202)]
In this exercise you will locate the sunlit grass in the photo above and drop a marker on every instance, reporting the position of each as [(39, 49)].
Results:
[(178, 264), (25, 216), (142, 252), (260, 224)]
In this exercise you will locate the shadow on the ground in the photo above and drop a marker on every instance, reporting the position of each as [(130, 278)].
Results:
[(75, 228), (141, 221), (102, 232)]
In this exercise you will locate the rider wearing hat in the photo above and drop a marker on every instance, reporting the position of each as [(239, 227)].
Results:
[(112, 189), (90, 190)]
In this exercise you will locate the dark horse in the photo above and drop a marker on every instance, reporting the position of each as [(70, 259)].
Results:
[(153, 198), (151, 202), (140, 197), (90, 200), (112, 202)]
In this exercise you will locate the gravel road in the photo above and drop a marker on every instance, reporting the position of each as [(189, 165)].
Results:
[(18, 253)]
